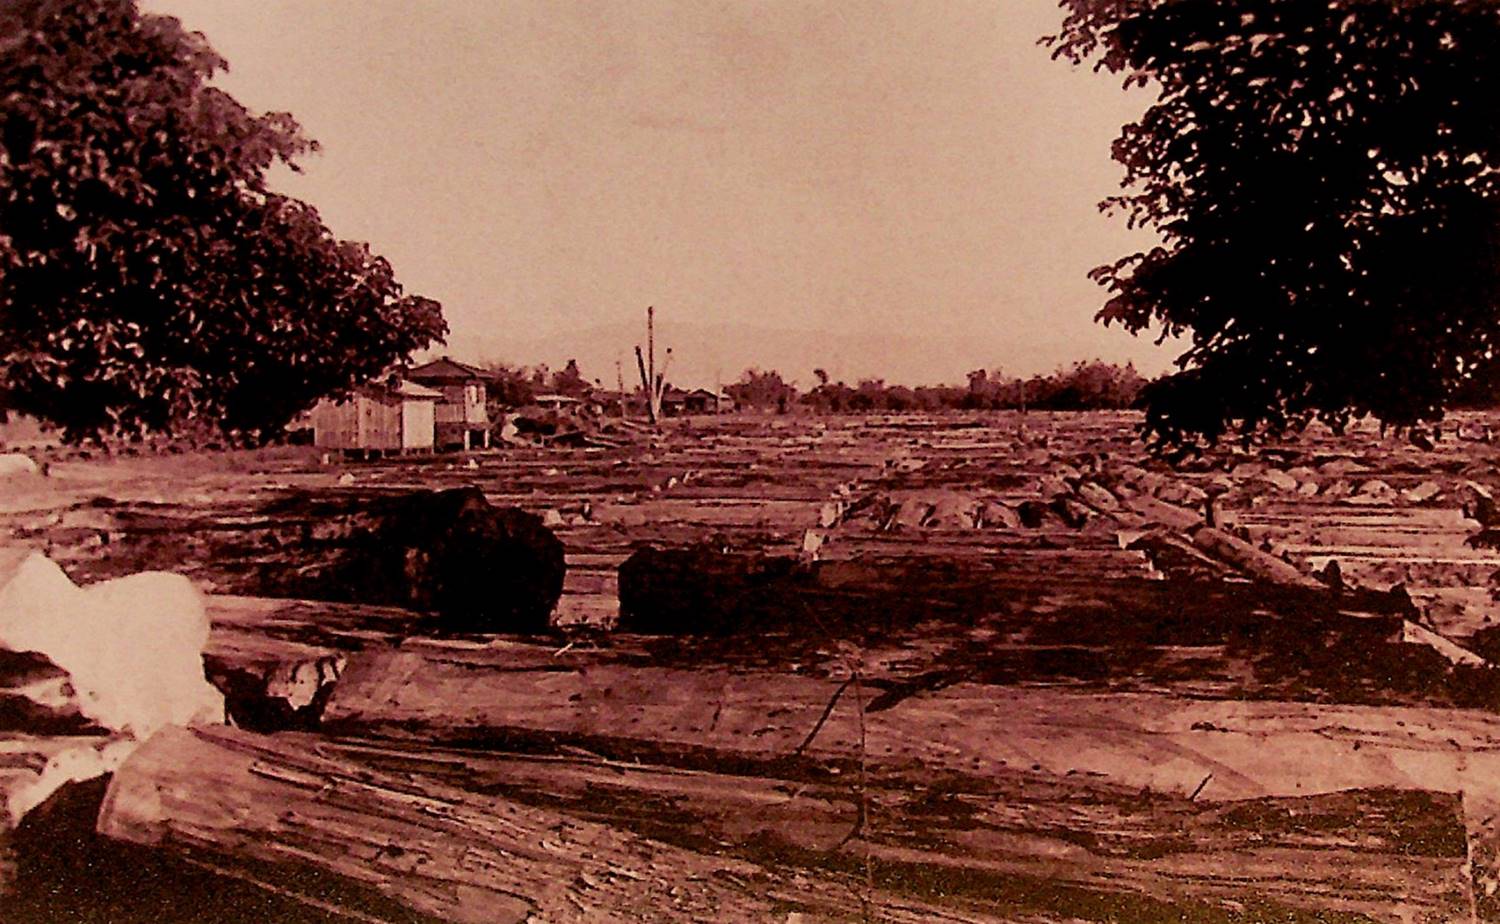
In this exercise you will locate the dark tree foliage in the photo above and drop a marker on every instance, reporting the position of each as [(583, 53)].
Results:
[(510, 386), (148, 276), (1084, 386), (570, 381), (762, 389), (1323, 176)]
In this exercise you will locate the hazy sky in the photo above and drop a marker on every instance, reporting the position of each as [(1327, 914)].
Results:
[(907, 168)]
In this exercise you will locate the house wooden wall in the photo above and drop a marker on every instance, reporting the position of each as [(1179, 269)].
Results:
[(419, 427), (374, 420), (463, 404)]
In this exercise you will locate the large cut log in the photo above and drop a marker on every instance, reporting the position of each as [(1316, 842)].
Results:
[(1162, 513), (271, 809), (1104, 851), (698, 716), (701, 590), (480, 568), (449, 553), (1251, 560), (276, 660), (962, 738), (469, 836)]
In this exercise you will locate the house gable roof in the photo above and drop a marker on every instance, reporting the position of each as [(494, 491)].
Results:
[(678, 394), (447, 371), (403, 390)]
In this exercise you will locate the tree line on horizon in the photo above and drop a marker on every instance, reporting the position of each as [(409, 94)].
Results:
[(1083, 386)]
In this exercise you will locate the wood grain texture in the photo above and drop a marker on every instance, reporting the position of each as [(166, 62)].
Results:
[(271, 805)]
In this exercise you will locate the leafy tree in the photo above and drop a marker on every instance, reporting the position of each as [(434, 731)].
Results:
[(829, 397), (509, 386), (148, 276), (1325, 181), (761, 389), (1087, 386), (986, 389), (570, 381)]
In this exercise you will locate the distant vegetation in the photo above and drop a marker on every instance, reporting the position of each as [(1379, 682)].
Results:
[(1081, 387), (517, 386), (1084, 386)]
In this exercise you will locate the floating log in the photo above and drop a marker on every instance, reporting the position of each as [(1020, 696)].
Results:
[(1251, 560), (707, 591), (1163, 513), (272, 809), (1105, 851), (699, 717), (447, 553)]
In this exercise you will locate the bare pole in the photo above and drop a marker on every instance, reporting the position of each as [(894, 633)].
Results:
[(640, 362), (620, 386), (652, 381)]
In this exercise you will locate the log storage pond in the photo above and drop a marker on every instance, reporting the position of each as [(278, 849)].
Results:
[(955, 667)]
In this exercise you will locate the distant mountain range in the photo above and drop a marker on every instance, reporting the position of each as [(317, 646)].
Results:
[(712, 354)]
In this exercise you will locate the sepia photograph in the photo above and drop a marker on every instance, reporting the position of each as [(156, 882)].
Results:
[(792, 461)]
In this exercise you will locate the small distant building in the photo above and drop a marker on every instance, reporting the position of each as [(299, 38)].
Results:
[(394, 417), (462, 419), (612, 403), (556, 402), (677, 403)]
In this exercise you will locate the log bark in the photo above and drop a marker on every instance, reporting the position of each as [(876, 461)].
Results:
[(1163, 513), (270, 809), (1384, 854), (700, 717), (450, 554), (1251, 560), (470, 836)]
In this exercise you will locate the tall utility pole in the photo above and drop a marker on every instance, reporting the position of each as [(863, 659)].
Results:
[(652, 381)]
